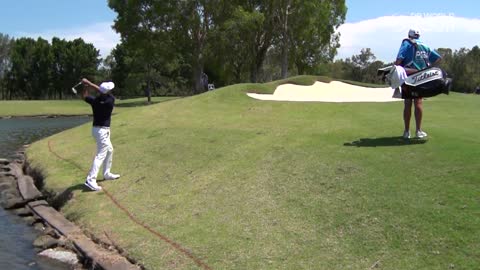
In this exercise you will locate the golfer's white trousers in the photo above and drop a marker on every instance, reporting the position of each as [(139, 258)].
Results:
[(104, 152)]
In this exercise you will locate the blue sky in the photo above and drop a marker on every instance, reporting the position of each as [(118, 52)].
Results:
[(69, 19), (376, 24), (34, 16), (381, 25), (359, 10)]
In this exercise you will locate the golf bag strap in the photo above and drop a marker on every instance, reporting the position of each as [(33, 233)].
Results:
[(415, 49)]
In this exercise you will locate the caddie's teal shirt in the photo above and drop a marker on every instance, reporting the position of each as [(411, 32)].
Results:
[(418, 57)]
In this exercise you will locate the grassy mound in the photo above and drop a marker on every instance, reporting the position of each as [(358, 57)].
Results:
[(247, 184)]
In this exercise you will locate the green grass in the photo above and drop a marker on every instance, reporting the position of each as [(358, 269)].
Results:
[(64, 107), (248, 184), (135, 102), (37, 107)]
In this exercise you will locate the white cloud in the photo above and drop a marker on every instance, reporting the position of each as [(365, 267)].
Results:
[(101, 35), (384, 34)]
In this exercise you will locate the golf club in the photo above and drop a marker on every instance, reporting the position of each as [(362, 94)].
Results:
[(75, 90)]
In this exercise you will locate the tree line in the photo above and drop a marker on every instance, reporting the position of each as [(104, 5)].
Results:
[(39, 69), (463, 65), (171, 44), (170, 47)]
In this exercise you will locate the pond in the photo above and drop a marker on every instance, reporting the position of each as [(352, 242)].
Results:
[(16, 237)]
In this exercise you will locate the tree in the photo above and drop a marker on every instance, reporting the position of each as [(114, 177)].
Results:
[(362, 67), (234, 43), (182, 39), (195, 23), (60, 70), (473, 69), (263, 33), (39, 70), (5, 45), (168, 36), (357, 66), (104, 72), (364, 59), (370, 72), (447, 59), (283, 11), (20, 74), (466, 69), (302, 31), (73, 60), (307, 33)]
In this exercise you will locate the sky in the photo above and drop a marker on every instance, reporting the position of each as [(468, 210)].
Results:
[(376, 24), (381, 25), (91, 20)]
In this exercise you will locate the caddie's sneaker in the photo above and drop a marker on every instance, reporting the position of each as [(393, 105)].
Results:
[(93, 185), (421, 134), (406, 134), (397, 93), (111, 176)]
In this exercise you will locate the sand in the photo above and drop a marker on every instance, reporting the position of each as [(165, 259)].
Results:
[(328, 92)]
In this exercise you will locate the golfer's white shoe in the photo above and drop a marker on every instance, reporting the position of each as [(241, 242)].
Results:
[(406, 134), (92, 185), (111, 176), (421, 134)]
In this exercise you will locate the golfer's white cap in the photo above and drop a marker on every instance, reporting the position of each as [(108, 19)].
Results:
[(106, 87)]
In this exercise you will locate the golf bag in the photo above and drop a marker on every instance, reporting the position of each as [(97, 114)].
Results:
[(424, 83)]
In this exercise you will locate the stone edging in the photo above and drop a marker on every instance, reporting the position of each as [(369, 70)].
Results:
[(18, 190)]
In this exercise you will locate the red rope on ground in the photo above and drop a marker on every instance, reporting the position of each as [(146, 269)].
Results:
[(167, 240)]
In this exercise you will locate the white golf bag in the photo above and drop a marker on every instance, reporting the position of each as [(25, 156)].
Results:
[(424, 83)]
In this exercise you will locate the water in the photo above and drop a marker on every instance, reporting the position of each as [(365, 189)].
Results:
[(16, 238)]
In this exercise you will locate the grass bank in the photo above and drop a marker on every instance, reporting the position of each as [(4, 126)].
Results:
[(245, 184)]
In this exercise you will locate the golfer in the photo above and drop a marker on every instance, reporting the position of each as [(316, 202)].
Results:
[(414, 55), (102, 107)]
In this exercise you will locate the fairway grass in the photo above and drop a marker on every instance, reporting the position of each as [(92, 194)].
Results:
[(247, 184), (24, 108)]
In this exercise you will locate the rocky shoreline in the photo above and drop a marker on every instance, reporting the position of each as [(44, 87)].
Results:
[(59, 238)]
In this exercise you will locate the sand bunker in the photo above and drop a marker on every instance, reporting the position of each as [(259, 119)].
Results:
[(328, 92)]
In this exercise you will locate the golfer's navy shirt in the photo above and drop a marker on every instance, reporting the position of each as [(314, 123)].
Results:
[(102, 107)]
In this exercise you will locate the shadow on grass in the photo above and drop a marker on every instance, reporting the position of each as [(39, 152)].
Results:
[(58, 200), (136, 104), (143, 102), (384, 141)]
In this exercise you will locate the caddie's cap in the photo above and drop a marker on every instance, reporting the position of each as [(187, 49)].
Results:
[(415, 34)]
